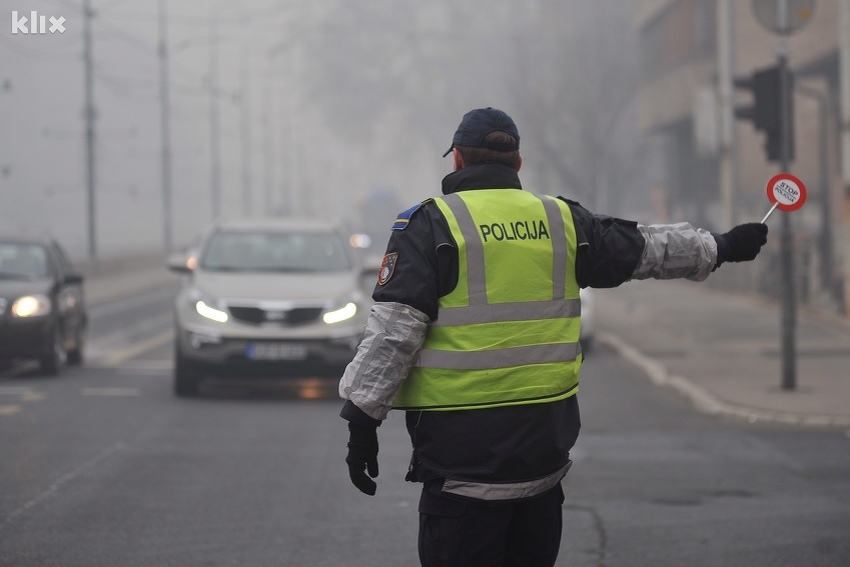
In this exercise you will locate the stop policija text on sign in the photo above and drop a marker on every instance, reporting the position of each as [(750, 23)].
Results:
[(787, 191)]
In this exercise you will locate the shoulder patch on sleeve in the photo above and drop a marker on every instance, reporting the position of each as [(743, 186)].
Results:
[(403, 218), (387, 268)]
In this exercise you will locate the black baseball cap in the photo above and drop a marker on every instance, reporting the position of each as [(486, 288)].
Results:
[(478, 123)]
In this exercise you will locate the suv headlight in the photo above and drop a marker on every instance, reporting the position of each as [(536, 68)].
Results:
[(206, 306), (31, 306), (210, 312), (344, 313), (343, 310)]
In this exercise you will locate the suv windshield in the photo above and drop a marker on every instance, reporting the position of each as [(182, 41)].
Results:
[(275, 252), (23, 261)]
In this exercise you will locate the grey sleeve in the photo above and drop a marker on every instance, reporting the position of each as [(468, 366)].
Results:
[(676, 251), (393, 335)]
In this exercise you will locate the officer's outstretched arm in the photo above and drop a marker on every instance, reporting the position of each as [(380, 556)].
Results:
[(683, 251), (676, 251)]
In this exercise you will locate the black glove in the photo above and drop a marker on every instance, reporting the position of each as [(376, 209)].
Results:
[(362, 456), (742, 243)]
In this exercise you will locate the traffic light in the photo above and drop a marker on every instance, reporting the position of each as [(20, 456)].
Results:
[(766, 112)]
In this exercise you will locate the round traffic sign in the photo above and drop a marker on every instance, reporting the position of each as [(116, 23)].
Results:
[(783, 16), (786, 191)]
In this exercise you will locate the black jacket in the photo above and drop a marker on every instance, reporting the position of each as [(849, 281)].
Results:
[(507, 444)]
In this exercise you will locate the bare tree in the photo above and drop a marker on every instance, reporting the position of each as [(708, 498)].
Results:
[(586, 75)]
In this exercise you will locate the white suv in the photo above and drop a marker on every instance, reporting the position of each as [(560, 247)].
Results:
[(266, 295)]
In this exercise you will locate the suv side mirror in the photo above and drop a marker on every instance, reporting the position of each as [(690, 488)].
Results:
[(182, 262)]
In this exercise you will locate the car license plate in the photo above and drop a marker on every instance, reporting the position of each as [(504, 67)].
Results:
[(276, 351)]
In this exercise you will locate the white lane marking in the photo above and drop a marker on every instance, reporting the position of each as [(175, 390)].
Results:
[(62, 480), (9, 409), (141, 347), (110, 392)]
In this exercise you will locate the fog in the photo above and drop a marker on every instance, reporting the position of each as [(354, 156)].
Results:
[(326, 108)]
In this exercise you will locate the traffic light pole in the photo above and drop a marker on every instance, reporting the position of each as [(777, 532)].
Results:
[(91, 145), (789, 307), (772, 112)]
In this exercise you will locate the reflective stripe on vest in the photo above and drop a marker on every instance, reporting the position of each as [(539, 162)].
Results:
[(513, 338)]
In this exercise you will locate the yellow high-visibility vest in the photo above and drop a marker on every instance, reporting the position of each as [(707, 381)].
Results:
[(508, 334)]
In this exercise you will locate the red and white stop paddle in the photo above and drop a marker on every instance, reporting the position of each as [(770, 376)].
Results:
[(786, 192)]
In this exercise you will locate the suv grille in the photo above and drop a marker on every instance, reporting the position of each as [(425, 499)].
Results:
[(283, 317)]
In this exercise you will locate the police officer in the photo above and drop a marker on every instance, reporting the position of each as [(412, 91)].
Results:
[(475, 334)]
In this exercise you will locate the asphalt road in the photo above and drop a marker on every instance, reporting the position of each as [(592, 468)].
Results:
[(103, 466)]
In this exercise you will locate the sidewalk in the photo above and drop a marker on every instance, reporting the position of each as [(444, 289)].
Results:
[(723, 351)]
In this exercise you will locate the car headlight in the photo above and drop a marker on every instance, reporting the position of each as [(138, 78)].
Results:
[(210, 312), (31, 306), (344, 308), (206, 307), (344, 313)]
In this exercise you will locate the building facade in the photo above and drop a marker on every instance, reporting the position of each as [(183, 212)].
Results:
[(712, 169)]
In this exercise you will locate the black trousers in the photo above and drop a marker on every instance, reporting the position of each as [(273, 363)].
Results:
[(473, 533)]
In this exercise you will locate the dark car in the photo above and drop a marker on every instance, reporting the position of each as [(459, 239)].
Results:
[(42, 307)]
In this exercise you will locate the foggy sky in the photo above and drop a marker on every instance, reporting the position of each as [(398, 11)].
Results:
[(343, 100)]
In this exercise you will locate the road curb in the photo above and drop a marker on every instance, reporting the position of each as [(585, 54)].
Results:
[(705, 401)]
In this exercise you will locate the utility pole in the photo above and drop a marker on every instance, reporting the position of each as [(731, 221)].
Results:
[(215, 141), (773, 112), (789, 299), (165, 127), (268, 139), (89, 116), (293, 206), (725, 72), (844, 72), (245, 99), (299, 188)]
